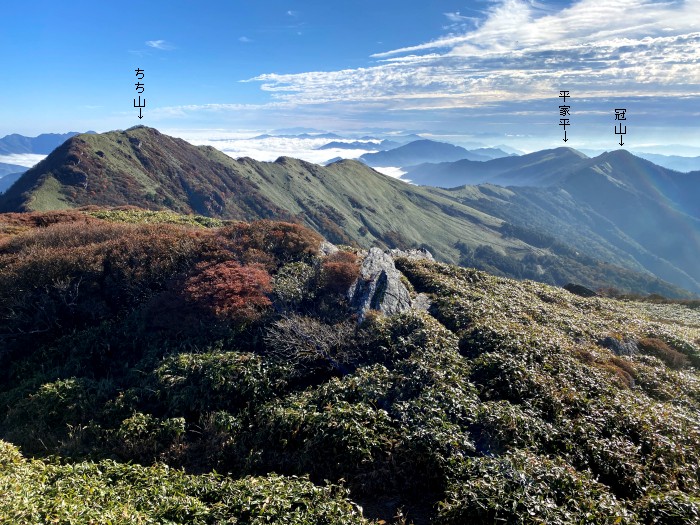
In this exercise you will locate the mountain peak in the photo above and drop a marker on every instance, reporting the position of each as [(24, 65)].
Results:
[(569, 150), (618, 154), (417, 152)]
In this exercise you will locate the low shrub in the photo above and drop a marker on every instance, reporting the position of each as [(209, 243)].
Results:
[(139, 216), (121, 494), (390, 339), (293, 285), (289, 437), (229, 291), (658, 348), (339, 271), (309, 343), (197, 383), (284, 241), (621, 375), (42, 421), (144, 438), (670, 508), (521, 488)]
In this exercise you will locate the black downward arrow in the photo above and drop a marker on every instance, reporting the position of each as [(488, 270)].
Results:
[(565, 139), (621, 143), (140, 115)]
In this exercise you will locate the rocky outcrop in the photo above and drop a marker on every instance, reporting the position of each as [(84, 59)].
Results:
[(421, 254), (326, 248), (620, 347), (379, 287), (579, 290)]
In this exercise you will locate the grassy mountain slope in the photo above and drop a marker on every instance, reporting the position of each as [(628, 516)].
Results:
[(346, 201), (556, 219), (140, 167), (219, 348)]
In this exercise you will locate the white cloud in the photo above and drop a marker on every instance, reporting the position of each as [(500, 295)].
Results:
[(271, 148), (391, 171), (458, 20), (456, 17), (184, 110), (291, 13), (244, 39), (160, 44), (22, 159), (524, 51)]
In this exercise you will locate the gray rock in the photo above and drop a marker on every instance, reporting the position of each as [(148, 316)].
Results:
[(579, 290), (421, 302), (619, 347), (327, 248), (421, 254), (378, 287)]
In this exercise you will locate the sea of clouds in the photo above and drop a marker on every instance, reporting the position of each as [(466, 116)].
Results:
[(270, 148), (22, 159)]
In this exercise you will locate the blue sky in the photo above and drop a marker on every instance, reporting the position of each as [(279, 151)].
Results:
[(488, 70)]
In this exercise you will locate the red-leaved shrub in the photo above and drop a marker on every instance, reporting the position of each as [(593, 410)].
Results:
[(339, 271), (230, 291), (283, 241)]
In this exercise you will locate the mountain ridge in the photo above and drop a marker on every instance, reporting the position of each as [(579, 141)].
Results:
[(346, 201), (619, 197), (521, 170), (417, 152)]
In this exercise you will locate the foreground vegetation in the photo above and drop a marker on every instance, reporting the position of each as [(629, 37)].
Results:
[(142, 354)]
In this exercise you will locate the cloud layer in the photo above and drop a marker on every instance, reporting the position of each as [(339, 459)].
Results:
[(27, 160), (270, 148), (522, 51)]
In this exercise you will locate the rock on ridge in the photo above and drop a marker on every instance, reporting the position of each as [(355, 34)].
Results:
[(326, 248), (413, 254), (379, 287)]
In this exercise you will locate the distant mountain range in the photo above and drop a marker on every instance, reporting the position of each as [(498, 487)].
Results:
[(651, 212), (366, 145), (9, 173), (299, 136), (425, 151), (541, 168), (6, 181), (7, 169), (673, 162), (583, 230), (41, 145)]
